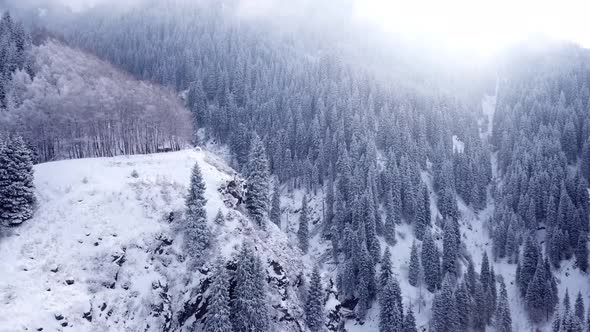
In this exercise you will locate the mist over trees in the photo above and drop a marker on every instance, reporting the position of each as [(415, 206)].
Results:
[(385, 153)]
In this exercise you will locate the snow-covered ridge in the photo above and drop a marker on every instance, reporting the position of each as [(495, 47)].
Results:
[(101, 254)]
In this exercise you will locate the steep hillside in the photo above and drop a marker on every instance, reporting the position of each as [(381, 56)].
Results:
[(102, 252)]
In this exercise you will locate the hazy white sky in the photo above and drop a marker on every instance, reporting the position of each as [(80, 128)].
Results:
[(482, 25)]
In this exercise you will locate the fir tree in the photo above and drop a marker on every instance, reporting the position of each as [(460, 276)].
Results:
[(257, 186), (390, 219), (385, 274), (582, 252), (314, 305), (444, 310), (219, 218), (366, 282), (16, 182), (579, 307), (450, 249), (414, 269), (275, 209), (218, 313), (463, 302), (535, 296), (391, 312), (530, 259), (503, 316), (249, 306), (196, 230), (409, 321), (303, 232), (430, 263)]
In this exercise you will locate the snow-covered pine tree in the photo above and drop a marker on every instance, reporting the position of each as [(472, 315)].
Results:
[(249, 306), (530, 260), (450, 249), (503, 316), (385, 273), (390, 218), (17, 196), (537, 290), (579, 307), (257, 187), (444, 309), (463, 302), (370, 227), (422, 213), (409, 321), (365, 287), (303, 231), (196, 231), (414, 268), (582, 252), (218, 311), (430, 263), (314, 303), (275, 208), (391, 312), (219, 218)]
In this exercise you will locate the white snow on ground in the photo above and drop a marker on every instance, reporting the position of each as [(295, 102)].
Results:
[(102, 229), (458, 145), (488, 105)]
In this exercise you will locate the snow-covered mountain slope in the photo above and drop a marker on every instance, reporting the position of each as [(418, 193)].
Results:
[(103, 252)]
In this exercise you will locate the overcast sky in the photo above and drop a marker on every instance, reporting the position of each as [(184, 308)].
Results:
[(483, 26)]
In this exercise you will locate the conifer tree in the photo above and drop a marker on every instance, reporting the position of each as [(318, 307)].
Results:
[(366, 282), (196, 230), (414, 269), (390, 219), (579, 307), (391, 312), (275, 206), (303, 232), (537, 290), (218, 315), (430, 263), (385, 274), (219, 218), (444, 310), (463, 301), (450, 249), (249, 305), (530, 259), (257, 186), (16, 181), (503, 316), (314, 305), (582, 252), (409, 321)]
